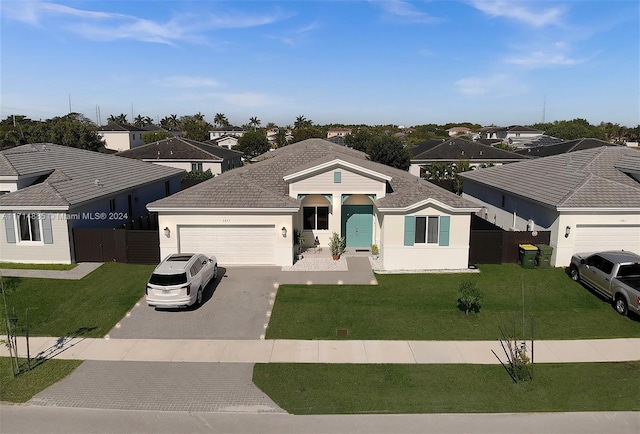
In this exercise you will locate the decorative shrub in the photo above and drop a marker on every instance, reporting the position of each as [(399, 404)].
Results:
[(470, 297), (336, 244)]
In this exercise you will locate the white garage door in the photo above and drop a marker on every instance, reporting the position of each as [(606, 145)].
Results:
[(232, 245), (591, 238)]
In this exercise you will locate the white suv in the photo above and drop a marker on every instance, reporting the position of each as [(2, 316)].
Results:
[(180, 279)]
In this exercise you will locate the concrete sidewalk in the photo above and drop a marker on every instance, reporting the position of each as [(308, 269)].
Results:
[(75, 273), (323, 351)]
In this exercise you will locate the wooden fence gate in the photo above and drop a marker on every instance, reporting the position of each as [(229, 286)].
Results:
[(117, 245)]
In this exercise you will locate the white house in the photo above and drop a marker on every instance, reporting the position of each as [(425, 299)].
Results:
[(249, 215), (120, 137), (515, 135), (589, 200), (226, 132), (54, 189)]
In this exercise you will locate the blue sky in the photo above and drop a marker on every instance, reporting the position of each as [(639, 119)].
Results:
[(374, 62)]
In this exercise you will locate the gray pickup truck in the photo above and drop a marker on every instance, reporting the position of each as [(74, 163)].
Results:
[(615, 275)]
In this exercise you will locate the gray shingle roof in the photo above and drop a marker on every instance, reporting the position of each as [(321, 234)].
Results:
[(178, 148), (261, 184), (459, 149), (73, 173), (562, 147), (581, 179)]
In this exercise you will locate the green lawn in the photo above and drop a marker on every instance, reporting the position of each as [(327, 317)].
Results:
[(29, 383), (19, 266), (342, 389), (423, 307), (88, 307)]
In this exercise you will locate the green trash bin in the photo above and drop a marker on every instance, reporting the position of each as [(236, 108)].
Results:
[(528, 253), (543, 259)]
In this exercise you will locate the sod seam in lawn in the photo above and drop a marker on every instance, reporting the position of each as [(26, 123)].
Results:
[(348, 389), (424, 307)]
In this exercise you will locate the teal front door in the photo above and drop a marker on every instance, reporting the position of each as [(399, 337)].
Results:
[(357, 225)]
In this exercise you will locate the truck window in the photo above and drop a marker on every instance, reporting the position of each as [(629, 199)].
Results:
[(629, 270), (594, 261), (607, 266)]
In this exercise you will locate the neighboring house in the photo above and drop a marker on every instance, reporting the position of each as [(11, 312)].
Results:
[(515, 135), (542, 140), (120, 137), (228, 142), (455, 131), (54, 189), (186, 154), (218, 133), (589, 200), (338, 132), (456, 150), (248, 216), (563, 147)]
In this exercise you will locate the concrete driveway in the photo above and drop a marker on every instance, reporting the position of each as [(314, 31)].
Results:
[(235, 306)]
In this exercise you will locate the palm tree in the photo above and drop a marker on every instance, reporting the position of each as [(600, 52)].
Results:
[(302, 122), (138, 121), (220, 120), (254, 122), (120, 119)]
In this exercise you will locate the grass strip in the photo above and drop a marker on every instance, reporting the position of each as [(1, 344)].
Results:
[(401, 389), (29, 383), (19, 266)]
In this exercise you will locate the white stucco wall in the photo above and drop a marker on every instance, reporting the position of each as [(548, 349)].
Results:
[(396, 256), (122, 140), (283, 247), (216, 167), (36, 252)]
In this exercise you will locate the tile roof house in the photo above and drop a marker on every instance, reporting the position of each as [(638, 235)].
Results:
[(589, 200), (455, 150), (515, 135), (52, 189), (562, 147), (249, 215), (119, 137), (189, 155)]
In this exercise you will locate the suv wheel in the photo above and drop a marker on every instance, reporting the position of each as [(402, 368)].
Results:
[(621, 305), (574, 273), (199, 297)]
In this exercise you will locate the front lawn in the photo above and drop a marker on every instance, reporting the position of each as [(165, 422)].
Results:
[(424, 307), (89, 307), (23, 387), (343, 389)]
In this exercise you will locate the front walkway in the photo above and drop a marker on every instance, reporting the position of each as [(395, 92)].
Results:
[(323, 351), (75, 273)]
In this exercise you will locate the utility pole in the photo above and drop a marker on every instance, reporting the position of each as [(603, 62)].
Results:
[(544, 108), (69, 103)]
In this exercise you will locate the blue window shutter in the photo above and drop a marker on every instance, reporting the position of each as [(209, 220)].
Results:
[(47, 232), (445, 224), (337, 177), (409, 230), (9, 228)]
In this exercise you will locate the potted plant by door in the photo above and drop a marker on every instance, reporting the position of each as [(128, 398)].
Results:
[(375, 252), (336, 245), (299, 242)]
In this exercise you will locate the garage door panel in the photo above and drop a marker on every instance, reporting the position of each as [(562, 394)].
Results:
[(232, 245), (591, 238)]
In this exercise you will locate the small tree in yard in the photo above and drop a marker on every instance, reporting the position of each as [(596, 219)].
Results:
[(470, 297)]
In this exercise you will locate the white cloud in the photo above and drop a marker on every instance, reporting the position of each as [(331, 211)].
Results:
[(518, 10), (188, 81), (405, 11), (496, 85), (106, 26), (556, 54)]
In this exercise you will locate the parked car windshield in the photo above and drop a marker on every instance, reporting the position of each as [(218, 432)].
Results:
[(629, 270), (168, 279)]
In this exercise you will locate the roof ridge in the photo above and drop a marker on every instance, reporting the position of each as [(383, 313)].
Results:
[(586, 178)]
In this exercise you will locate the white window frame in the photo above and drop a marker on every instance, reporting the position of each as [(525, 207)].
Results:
[(426, 239), (31, 217), (315, 219)]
